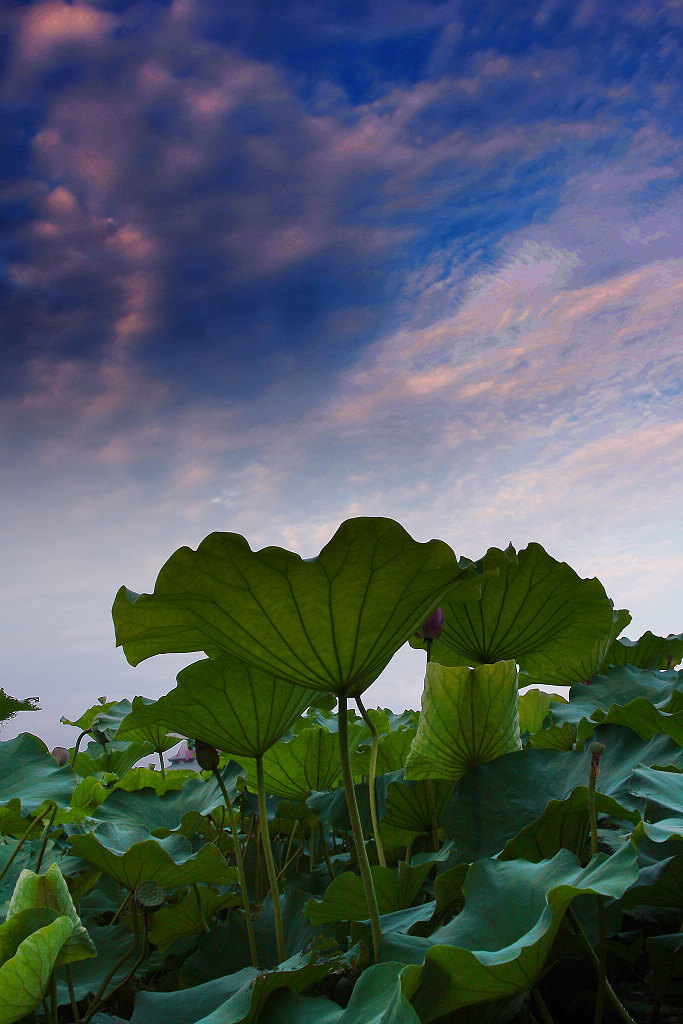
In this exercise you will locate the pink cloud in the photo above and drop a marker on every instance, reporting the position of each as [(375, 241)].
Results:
[(49, 26)]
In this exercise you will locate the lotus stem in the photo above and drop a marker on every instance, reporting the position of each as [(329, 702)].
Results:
[(161, 763), (46, 834), (52, 986), (72, 994), (596, 750), (611, 994), (240, 868), (97, 998), (268, 857), (78, 743), (17, 848), (198, 900), (542, 1008), (357, 828), (326, 852), (371, 782)]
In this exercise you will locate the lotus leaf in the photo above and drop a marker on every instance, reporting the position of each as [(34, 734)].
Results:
[(28, 954), (535, 611), (533, 709), (649, 651), (30, 776), (344, 898), (468, 717), (131, 859), (331, 623), (309, 761), (50, 891)]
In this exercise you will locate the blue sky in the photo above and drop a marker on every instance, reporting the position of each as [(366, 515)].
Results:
[(265, 267)]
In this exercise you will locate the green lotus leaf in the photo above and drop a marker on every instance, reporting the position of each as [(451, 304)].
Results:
[(50, 891), (114, 758), (663, 791), (146, 731), (649, 651), (344, 898), (555, 737), (392, 753), (535, 611), (658, 885), (237, 999), (468, 717), (30, 776), (150, 778), (27, 961), (183, 918), (482, 954), (111, 942), (533, 709), (448, 889), (412, 806), (331, 623), (233, 706), (131, 859), (10, 706), (564, 824), (647, 702), (177, 810), (481, 823), (90, 718), (309, 761), (376, 999), (665, 953)]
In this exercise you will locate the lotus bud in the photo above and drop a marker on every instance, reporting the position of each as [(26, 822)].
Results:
[(207, 756), (61, 755), (431, 628)]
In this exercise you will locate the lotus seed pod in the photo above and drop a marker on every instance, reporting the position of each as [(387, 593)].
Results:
[(61, 755), (597, 748), (207, 756), (432, 627), (150, 896)]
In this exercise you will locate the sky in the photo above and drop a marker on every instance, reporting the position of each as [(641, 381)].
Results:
[(267, 266)]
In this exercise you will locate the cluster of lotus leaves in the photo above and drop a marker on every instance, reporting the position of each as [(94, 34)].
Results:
[(482, 797)]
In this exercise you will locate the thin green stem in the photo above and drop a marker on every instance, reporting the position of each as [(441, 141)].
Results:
[(161, 763), (611, 994), (371, 782), (200, 911), (357, 828), (72, 994), (602, 920), (240, 868), (78, 743), (98, 997), (17, 848), (46, 835), (268, 857), (52, 986), (326, 852), (542, 1008)]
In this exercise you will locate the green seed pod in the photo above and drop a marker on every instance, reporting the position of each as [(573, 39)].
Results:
[(150, 896), (597, 748)]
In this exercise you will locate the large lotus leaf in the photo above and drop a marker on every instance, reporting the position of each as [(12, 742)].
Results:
[(50, 891), (30, 776), (183, 918), (665, 953), (663, 791), (481, 822), (555, 737), (376, 999), (176, 810), (332, 623), (469, 717), (533, 709), (309, 761), (149, 778), (483, 954), (392, 753), (224, 702), (114, 757), (131, 859), (344, 899), (412, 806), (649, 651), (237, 999), (25, 972), (658, 885), (647, 702), (564, 824), (537, 612)]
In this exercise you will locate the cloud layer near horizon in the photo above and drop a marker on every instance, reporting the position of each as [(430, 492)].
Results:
[(415, 260)]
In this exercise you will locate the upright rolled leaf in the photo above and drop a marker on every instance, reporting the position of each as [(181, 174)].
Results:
[(332, 623), (468, 717)]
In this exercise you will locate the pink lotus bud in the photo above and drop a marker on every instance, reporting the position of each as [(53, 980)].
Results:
[(431, 629), (61, 755)]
